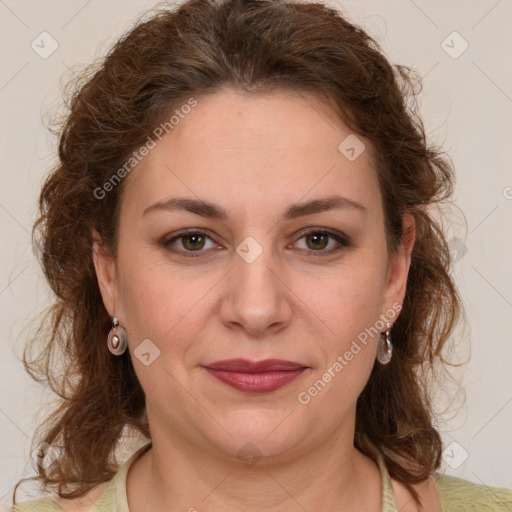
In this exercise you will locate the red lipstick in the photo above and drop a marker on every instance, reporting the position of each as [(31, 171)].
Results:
[(255, 376)]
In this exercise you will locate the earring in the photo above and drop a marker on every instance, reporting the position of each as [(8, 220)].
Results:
[(116, 341), (385, 346)]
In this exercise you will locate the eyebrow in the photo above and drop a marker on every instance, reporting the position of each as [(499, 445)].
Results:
[(207, 209)]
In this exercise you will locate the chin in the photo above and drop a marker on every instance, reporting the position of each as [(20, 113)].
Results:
[(254, 437)]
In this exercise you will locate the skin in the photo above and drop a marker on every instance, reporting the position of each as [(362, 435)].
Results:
[(242, 153)]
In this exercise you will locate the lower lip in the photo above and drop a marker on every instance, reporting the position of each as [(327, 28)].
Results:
[(263, 382)]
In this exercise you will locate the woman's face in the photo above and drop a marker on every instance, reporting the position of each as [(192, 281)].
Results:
[(253, 284)]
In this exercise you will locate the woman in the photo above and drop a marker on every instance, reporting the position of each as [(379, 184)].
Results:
[(247, 273)]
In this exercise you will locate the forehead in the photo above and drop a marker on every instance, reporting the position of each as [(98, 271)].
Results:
[(279, 120), (240, 147)]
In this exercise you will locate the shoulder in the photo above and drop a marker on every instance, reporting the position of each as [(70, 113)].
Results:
[(427, 491), (37, 505), (104, 497), (459, 495), (56, 504)]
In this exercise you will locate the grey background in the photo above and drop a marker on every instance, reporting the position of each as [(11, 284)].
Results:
[(466, 105)]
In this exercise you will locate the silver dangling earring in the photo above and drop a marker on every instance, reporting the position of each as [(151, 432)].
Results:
[(116, 341), (385, 346)]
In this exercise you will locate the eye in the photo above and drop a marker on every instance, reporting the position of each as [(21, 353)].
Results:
[(190, 241), (195, 241), (317, 240)]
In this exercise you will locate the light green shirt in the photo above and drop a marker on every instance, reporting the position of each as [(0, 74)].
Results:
[(457, 495)]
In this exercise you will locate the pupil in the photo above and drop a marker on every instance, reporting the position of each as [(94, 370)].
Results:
[(194, 239), (316, 237)]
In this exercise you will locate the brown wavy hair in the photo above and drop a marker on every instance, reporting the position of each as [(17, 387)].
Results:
[(252, 46)]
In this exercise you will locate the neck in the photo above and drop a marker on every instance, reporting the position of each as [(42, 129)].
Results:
[(176, 479)]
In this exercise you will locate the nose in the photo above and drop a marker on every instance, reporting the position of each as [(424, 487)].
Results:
[(256, 298)]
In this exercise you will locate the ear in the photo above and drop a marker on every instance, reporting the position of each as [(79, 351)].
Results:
[(398, 268), (106, 273)]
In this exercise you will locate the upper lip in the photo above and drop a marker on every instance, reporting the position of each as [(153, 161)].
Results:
[(246, 366)]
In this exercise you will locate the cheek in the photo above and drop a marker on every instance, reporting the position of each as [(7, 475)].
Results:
[(170, 305), (167, 310), (350, 309), (352, 298), (159, 304), (350, 305)]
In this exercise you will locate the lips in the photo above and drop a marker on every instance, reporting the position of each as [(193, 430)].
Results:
[(255, 376)]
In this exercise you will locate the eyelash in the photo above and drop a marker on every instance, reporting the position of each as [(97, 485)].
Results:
[(341, 238)]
